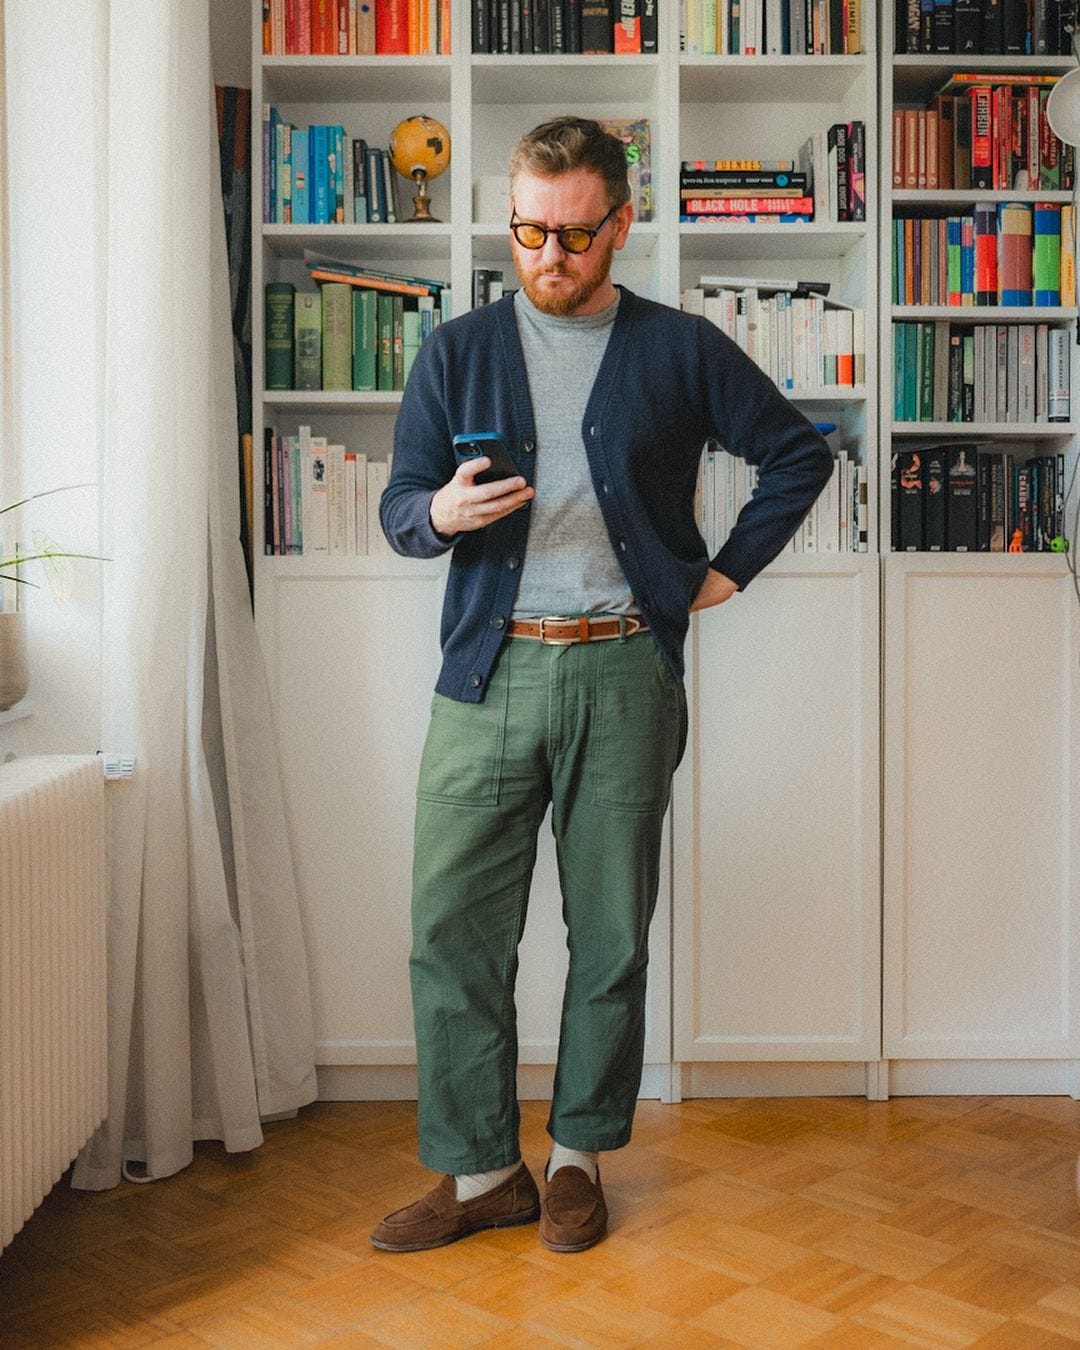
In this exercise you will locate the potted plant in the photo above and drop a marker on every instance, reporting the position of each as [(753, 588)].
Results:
[(14, 664)]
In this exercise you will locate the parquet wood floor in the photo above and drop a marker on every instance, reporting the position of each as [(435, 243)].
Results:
[(834, 1223)]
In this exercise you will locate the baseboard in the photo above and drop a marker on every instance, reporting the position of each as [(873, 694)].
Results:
[(902, 1078)]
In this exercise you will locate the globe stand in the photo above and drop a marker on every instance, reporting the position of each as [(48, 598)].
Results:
[(421, 202)]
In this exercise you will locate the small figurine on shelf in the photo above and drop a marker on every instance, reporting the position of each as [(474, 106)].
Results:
[(420, 150)]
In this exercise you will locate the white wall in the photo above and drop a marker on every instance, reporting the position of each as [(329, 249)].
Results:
[(55, 200), (57, 334)]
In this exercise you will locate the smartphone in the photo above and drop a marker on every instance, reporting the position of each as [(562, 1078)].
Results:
[(471, 444)]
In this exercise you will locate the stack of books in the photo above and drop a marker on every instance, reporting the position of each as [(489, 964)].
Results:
[(321, 499), (997, 28), (356, 28), (986, 372), (965, 499), (543, 27), (802, 340), (982, 131), (743, 190), (359, 331), (836, 523), (772, 27), (1004, 253), (320, 175)]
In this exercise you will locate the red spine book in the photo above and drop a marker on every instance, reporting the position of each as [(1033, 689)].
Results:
[(392, 27), (323, 27), (985, 253), (982, 139), (342, 34), (303, 28), (741, 206)]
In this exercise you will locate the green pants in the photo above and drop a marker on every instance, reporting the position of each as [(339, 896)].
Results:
[(595, 729)]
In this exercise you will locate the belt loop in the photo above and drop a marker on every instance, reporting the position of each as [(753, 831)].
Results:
[(583, 628), (622, 627)]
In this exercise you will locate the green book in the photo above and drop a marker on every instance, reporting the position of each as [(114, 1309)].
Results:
[(307, 330), (399, 341), (411, 343), (336, 335), (278, 324), (385, 365), (365, 339)]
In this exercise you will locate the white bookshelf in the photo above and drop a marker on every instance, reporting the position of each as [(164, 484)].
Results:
[(783, 683), (981, 860)]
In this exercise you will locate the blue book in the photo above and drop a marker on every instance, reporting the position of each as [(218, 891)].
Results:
[(360, 191), (376, 195), (301, 155), (269, 162), (320, 181), (338, 141)]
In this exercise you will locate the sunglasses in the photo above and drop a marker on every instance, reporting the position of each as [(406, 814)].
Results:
[(572, 238)]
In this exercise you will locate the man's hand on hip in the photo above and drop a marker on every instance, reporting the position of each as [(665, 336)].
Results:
[(463, 505), (715, 589)]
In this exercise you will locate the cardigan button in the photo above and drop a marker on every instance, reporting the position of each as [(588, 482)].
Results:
[(498, 621), (476, 680), (513, 561), (528, 446)]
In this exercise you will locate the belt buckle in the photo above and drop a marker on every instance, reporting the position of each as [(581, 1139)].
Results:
[(554, 641)]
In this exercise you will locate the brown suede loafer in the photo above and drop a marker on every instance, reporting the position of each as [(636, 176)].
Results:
[(574, 1215), (440, 1217)]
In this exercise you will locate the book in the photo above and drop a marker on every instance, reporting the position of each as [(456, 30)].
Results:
[(307, 336), (1046, 253), (961, 505), (1014, 253), (738, 206), (279, 333), (635, 135), (336, 336), (365, 340)]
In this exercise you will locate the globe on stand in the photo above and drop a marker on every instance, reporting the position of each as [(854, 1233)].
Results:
[(420, 150)]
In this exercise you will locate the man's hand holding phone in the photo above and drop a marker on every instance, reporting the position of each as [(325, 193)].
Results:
[(466, 503)]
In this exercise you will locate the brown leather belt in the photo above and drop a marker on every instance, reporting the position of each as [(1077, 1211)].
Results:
[(562, 631)]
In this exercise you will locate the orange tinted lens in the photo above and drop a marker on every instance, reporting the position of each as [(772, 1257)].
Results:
[(575, 241), (530, 236)]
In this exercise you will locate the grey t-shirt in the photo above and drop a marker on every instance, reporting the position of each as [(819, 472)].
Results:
[(570, 566)]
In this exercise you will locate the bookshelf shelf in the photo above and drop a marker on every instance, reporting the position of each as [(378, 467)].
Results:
[(745, 241), (369, 79), (557, 79), (969, 196), (988, 313), (1000, 431), (764, 79), (917, 78), (356, 242), (326, 400)]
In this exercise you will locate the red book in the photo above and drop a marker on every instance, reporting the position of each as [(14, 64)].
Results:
[(392, 27), (741, 206), (982, 139), (342, 47), (323, 27), (627, 27)]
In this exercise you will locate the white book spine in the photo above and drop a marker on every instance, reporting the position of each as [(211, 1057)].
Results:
[(335, 472), (316, 512)]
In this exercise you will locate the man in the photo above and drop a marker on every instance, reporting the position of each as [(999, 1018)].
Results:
[(567, 604)]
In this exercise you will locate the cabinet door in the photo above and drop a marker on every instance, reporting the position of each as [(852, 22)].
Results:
[(776, 821), (981, 894)]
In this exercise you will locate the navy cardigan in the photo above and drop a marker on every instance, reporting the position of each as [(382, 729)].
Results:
[(668, 383)]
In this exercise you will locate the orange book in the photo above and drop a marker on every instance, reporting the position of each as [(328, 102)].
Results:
[(445, 29), (933, 141), (898, 147), (911, 147), (323, 27)]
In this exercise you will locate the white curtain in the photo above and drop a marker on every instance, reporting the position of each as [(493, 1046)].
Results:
[(210, 1027)]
